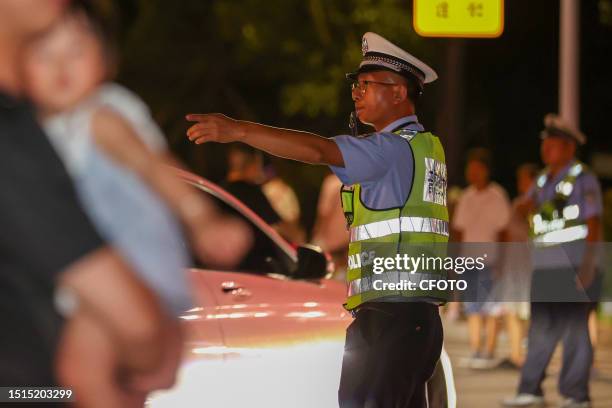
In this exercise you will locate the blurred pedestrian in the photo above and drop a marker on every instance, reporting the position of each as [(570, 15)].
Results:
[(394, 192), (48, 248), (244, 179), (566, 209), (481, 215), (281, 196)]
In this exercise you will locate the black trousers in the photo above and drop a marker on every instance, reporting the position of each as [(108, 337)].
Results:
[(391, 351), (551, 323)]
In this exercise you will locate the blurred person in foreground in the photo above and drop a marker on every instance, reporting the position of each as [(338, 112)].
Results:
[(48, 245), (481, 216), (245, 179), (565, 208), (115, 154), (394, 198)]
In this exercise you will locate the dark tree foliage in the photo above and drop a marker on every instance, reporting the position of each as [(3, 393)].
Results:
[(282, 62)]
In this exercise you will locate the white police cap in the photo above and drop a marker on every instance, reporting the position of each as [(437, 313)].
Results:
[(379, 53), (555, 126)]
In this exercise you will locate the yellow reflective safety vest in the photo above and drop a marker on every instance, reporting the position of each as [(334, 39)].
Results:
[(410, 229), (555, 222)]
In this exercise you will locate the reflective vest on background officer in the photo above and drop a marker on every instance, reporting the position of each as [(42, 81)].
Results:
[(413, 229), (555, 221), (565, 272)]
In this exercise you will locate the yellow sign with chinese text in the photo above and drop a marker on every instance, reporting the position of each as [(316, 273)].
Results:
[(459, 18)]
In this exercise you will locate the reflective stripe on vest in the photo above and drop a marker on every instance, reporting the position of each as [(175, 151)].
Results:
[(564, 235), (384, 228)]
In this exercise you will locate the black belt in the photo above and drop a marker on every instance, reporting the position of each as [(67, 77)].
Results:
[(391, 308)]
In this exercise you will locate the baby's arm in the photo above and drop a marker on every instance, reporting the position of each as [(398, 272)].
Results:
[(218, 241)]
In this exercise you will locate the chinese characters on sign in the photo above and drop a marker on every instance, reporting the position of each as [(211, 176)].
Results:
[(442, 9), (459, 18), (475, 9)]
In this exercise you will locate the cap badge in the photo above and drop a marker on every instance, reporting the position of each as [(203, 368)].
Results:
[(364, 46)]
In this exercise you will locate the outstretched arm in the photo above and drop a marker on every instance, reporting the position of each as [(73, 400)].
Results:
[(290, 144)]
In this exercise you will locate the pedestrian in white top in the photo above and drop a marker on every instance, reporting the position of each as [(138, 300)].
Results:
[(482, 214)]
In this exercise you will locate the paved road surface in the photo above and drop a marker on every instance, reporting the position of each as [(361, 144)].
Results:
[(485, 388)]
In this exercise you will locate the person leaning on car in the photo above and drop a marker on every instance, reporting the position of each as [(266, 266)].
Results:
[(398, 196), (46, 242)]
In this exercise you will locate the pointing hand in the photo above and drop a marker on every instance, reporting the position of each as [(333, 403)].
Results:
[(213, 127)]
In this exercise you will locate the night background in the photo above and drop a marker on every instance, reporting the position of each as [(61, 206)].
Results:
[(282, 62)]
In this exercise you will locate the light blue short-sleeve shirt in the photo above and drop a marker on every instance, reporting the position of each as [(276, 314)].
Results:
[(382, 163)]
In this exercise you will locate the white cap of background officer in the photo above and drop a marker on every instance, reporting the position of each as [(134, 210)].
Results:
[(555, 126)]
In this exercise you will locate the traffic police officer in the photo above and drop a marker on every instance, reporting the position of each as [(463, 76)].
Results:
[(566, 208), (395, 200)]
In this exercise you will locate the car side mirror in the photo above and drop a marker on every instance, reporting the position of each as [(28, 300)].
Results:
[(312, 263)]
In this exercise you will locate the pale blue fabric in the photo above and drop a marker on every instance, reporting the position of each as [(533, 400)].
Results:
[(129, 216)]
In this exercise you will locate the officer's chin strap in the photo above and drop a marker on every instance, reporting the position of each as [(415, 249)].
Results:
[(353, 124)]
